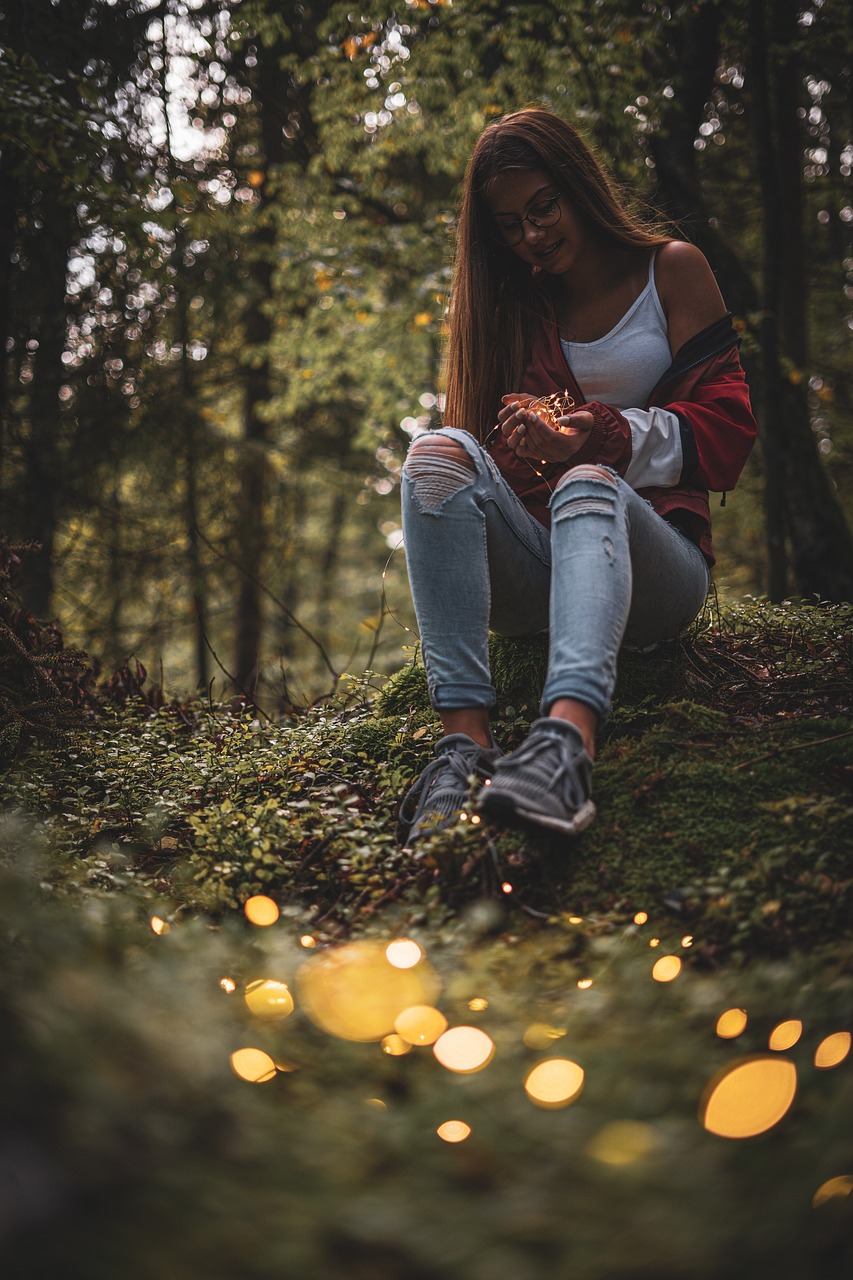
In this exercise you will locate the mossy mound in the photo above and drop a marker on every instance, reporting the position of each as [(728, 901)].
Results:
[(722, 785), (518, 672)]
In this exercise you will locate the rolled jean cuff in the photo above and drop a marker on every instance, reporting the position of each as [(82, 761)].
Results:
[(456, 697), (593, 696)]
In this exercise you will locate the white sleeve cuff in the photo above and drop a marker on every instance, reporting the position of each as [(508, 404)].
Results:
[(656, 455)]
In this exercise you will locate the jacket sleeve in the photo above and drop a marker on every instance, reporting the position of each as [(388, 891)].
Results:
[(698, 431)]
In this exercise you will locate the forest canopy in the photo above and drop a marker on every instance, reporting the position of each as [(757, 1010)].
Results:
[(226, 231)]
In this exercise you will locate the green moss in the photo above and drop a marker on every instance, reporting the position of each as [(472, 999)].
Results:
[(721, 786)]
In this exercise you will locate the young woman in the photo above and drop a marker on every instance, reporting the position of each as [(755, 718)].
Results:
[(591, 521)]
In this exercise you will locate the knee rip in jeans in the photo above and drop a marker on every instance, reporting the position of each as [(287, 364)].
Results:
[(438, 467), (601, 502)]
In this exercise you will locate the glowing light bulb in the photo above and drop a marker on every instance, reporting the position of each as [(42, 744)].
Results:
[(654, 942), (253, 1065), (158, 926), (506, 887), (228, 984), (666, 969), (585, 984), (554, 1083), (641, 917), (453, 1131), (575, 919), (785, 1035), (833, 1049), (731, 1023), (307, 941), (475, 818), (260, 910), (748, 1097), (464, 1050)]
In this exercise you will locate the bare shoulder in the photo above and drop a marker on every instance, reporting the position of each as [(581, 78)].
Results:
[(688, 290)]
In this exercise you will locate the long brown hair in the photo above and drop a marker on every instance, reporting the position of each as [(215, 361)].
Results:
[(495, 301)]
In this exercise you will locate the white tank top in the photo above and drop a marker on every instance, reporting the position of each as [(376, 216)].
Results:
[(624, 366)]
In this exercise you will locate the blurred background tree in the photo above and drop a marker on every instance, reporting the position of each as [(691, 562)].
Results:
[(225, 236)]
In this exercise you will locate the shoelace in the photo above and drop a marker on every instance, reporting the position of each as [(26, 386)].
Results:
[(460, 764), (565, 773)]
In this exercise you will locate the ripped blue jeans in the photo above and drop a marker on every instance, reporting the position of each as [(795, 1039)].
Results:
[(609, 571)]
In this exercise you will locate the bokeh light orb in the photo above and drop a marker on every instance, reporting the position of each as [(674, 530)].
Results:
[(554, 1083), (785, 1035), (159, 926), (453, 1131), (464, 1050), (253, 1065), (403, 953), (748, 1097), (269, 1000), (420, 1024), (731, 1023), (833, 1049), (622, 1142), (541, 1035), (355, 993), (835, 1189), (261, 910), (666, 969), (395, 1046)]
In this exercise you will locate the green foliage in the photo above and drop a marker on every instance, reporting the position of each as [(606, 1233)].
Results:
[(720, 782), (118, 1101), (41, 681), (724, 815)]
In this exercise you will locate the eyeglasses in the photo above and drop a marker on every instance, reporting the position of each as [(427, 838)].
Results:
[(511, 230)]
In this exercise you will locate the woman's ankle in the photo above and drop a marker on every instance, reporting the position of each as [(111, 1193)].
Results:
[(582, 716), (472, 721)]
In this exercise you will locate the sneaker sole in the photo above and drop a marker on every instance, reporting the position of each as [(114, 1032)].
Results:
[(502, 808)]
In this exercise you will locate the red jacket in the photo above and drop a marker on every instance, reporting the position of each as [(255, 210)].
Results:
[(704, 386)]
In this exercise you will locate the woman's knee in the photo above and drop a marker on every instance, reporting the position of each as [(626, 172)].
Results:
[(434, 446), (438, 466), (587, 471)]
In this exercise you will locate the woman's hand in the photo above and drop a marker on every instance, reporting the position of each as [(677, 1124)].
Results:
[(530, 437)]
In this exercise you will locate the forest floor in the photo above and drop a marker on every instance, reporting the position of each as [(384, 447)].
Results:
[(615, 1123)]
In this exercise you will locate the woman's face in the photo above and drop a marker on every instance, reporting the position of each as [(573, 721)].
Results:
[(535, 220)]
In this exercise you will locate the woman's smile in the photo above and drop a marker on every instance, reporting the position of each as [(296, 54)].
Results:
[(546, 255)]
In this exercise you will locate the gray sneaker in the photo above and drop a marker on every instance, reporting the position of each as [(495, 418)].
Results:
[(444, 787), (546, 781)]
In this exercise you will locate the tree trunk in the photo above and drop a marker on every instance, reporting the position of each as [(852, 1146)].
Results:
[(801, 508), (769, 409), (42, 482), (8, 207), (189, 418), (695, 33), (257, 384)]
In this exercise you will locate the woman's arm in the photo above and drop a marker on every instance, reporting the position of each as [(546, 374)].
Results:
[(688, 291), (697, 431)]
